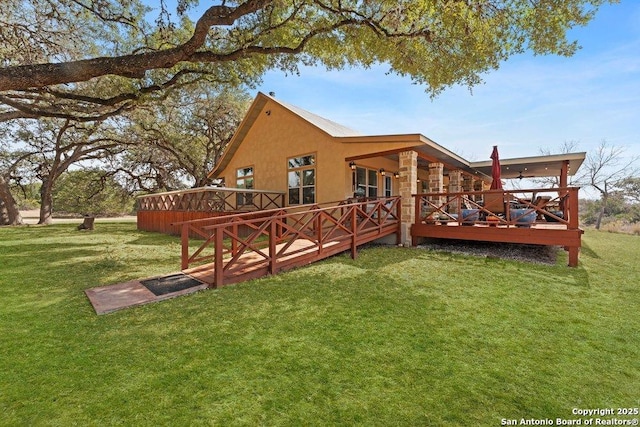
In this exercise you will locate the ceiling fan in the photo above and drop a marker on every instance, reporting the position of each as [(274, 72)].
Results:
[(520, 176)]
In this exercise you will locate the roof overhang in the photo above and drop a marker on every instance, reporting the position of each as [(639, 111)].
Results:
[(533, 167), (428, 151)]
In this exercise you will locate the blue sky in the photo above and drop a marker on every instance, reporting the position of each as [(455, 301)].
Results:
[(528, 104)]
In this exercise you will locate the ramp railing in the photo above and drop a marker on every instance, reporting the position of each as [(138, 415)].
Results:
[(283, 238)]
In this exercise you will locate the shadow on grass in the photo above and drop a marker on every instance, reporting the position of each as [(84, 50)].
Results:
[(374, 258), (586, 250), (152, 239)]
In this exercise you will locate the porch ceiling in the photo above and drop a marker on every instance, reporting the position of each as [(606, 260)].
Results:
[(428, 152), (533, 167)]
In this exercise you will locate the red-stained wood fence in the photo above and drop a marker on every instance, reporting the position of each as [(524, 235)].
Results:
[(159, 212)]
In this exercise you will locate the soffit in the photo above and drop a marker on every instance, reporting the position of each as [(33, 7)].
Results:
[(533, 167)]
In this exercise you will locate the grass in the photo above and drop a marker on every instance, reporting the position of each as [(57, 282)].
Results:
[(399, 336)]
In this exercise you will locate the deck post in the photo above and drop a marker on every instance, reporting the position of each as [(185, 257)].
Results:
[(185, 247), (319, 231), (354, 233), (408, 171), (272, 245), (572, 208), (573, 256), (218, 266), (234, 241)]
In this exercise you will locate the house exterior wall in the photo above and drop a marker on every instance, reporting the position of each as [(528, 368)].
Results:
[(281, 134)]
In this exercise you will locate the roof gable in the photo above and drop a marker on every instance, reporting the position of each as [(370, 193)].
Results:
[(329, 127)]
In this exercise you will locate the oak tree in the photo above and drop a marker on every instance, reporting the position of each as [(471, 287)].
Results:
[(51, 46), (177, 143)]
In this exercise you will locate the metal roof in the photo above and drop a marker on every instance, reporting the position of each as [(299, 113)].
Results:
[(428, 150), (329, 127)]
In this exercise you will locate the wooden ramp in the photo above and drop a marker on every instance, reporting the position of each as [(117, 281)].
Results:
[(285, 239)]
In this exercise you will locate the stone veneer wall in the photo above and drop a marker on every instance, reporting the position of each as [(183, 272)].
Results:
[(408, 187), (455, 186)]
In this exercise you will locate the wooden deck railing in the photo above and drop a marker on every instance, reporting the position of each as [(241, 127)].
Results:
[(211, 199), (285, 238), (519, 208), (546, 216)]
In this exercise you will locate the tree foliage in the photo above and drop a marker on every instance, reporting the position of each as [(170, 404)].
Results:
[(179, 141), (48, 148), (438, 43), (91, 191), (631, 188)]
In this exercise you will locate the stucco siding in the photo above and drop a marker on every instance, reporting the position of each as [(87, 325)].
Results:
[(278, 134)]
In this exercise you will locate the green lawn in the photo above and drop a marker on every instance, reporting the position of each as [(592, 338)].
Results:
[(397, 337)]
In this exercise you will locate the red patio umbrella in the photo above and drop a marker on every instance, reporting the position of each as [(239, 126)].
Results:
[(496, 184)]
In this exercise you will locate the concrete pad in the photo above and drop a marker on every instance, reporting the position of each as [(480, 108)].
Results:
[(107, 299)]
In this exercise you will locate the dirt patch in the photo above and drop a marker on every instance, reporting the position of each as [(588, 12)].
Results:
[(32, 217)]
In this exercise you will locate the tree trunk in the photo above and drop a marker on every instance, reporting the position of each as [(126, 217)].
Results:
[(46, 201), (4, 214), (603, 209), (10, 212)]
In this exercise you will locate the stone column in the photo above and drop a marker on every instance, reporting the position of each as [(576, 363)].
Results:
[(408, 186), (467, 183), (436, 182), (455, 186)]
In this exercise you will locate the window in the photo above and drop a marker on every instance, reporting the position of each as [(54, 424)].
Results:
[(367, 182), (244, 179), (387, 186), (302, 180)]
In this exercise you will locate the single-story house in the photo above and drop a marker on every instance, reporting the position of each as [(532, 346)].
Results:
[(284, 156)]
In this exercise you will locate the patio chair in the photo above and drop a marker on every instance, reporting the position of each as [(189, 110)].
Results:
[(494, 203), (541, 202)]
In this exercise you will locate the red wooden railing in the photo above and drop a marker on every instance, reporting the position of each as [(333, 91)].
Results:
[(507, 207), (159, 212), (284, 238), (211, 199)]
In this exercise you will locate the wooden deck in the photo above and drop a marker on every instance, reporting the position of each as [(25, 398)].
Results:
[(285, 239), (553, 222)]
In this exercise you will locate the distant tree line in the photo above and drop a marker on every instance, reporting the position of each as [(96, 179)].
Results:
[(98, 167), (621, 206)]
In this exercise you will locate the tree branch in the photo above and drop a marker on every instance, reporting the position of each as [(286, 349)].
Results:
[(131, 66)]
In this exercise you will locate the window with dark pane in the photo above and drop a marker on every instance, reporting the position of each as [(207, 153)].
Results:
[(244, 180), (302, 180), (366, 182)]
